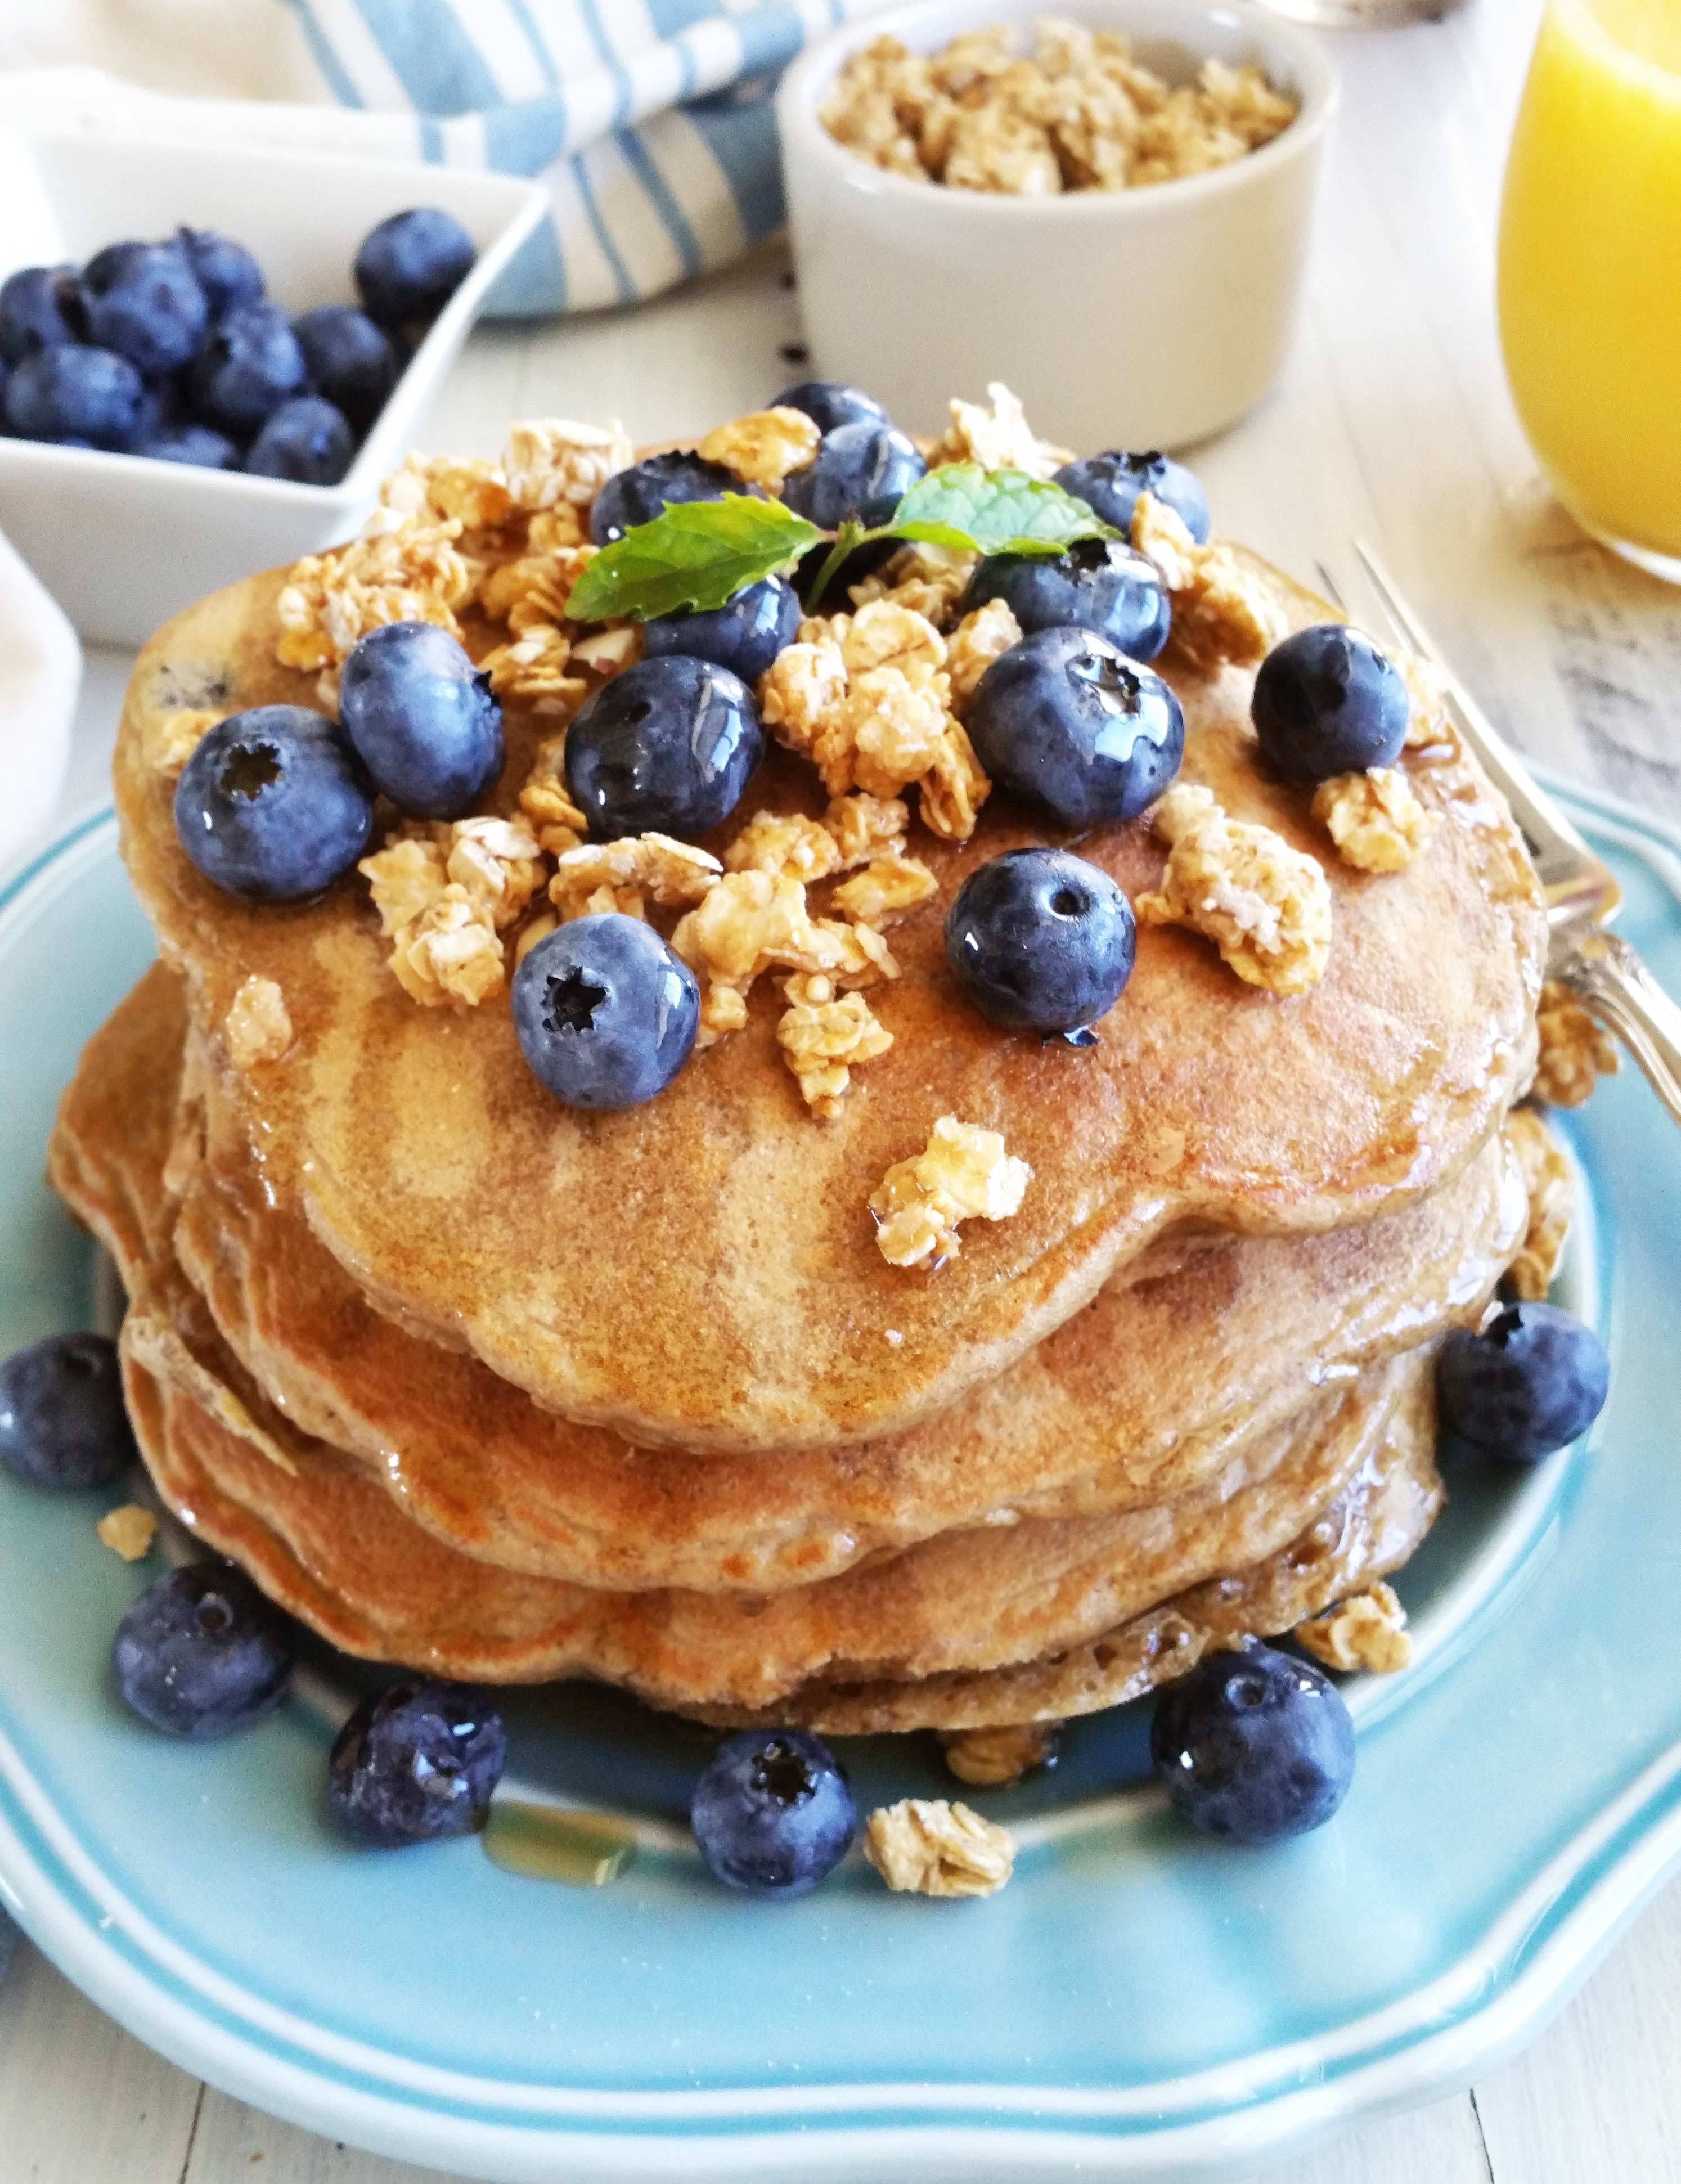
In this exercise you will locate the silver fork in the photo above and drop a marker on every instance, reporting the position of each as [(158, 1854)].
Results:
[(1600, 967)]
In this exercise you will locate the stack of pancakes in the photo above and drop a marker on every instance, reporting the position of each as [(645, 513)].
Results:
[(487, 1386)]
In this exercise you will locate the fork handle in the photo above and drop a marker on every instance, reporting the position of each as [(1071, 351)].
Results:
[(1612, 982)]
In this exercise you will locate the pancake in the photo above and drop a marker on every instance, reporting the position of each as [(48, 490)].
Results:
[(702, 1272)]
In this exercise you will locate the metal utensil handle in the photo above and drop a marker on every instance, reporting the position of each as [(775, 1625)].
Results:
[(1610, 980)]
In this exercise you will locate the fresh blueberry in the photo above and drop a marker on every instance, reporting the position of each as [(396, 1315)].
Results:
[(249, 365), (417, 1763), (351, 361), (40, 308), (224, 270), (1040, 940), (201, 1653), (829, 404), (161, 411), (410, 265), (636, 495), (666, 748), (1532, 1382), (1327, 701), (1254, 1746), (1066, 722), (605, 1014), (305, 440), (1110, 483), (86, 396), (421, 718), (1099, 584), (110, 265), (151, 310), (744, 635), (270, 806), (772, 1814), (861, 470), (62, 1418), (198, 445)]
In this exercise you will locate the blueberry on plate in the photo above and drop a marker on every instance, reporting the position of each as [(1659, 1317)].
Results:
[(201, 1653), (421, 718), (745, 634), (1099, 584), (638, 493), (604, 1013), (305, 440), (1110, 484), (85, 397), (40, 308), (62, 1418), (861, 470), (666, 748), (830, 405), (1327, 701), (410, 265), (1254, 1746), (271, 806), (248, 366), (1067, 723), (1040, 940), (149, 309), (224, 270), (351, 360), (200, 446), (1532, 1382), (416, 1762), (772, 1814)]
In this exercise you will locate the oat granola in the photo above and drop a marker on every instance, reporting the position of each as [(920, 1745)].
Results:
[(170, 739), (980, 638), (824, 1039), (554, 819), (962, 1174), (864, 827), (989, 1758), (445, 894), (995, 433), (620, 876), (787, 843), (1266, 907), (929, 1846), (763, 446), (1221, 611), (929, 579), (1547, 1178), (400, 569), (1375, 820), (551, 461), (466, 488), (749, 922), (1367, 1630), (257, 1026), (1575, 1051), (128, 1531), (889, 886)]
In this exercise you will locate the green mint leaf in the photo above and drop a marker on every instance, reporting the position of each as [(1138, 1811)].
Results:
[(695, 554), (974, 510)]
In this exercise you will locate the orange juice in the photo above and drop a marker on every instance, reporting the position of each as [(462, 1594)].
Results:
[(1591, 269)]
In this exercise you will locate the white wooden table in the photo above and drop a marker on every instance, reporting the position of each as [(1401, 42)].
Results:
[(1393, 421)]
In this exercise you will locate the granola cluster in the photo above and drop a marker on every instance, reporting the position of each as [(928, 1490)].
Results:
[(128, 1531), (930, 580), (1221, 611), (1575, 1051), (990, 1759), (824, 1035), (626, 875), (400, 569), (929, 1846), (446, 894), (962, 1174), (1079, 114), (748, 922), (1266, 907), (1375, 820), (1548, 1180), (170, 739), (1367, 1631), (763, 447), (995, 433), (257, 1026)]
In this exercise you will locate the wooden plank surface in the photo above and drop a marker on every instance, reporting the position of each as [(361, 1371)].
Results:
[(1393, 421)]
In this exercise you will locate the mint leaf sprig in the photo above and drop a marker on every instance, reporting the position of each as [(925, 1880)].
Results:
[(699, 554)]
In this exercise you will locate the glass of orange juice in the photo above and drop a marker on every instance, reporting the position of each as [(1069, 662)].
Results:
[(1590, 270)]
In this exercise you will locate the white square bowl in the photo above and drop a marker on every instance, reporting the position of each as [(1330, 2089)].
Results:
[(123, 542)]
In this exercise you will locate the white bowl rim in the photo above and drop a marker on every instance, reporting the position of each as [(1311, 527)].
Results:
[(810, 75)]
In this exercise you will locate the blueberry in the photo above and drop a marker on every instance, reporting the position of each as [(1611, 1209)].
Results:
[(62, 1419), (270, 806), (636, 495), (1067, 723), (1532, 1382), (1099, 584), (1110, 483), (421, 719), (110, 265), (1040, 940), (744, 635), (410, 265), (1328, 701), (86, 396), (40, 308), (351, 361), (772, 1814), (201, 1653), (829, 404), (305, 440), (1254, 1746), (161, 411), (250, 364), (417, 1763), (861, 470), (605, 1014), (224, 270), (152, 310), (666, 748), (198, 445)]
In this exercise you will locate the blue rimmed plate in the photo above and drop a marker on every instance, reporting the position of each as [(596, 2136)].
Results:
[(1137, 2000)]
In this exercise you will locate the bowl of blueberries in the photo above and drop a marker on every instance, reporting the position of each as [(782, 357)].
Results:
[(210, 358)]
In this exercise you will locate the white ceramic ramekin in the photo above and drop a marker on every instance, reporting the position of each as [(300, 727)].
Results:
[(1131, 318), (122, 542)]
